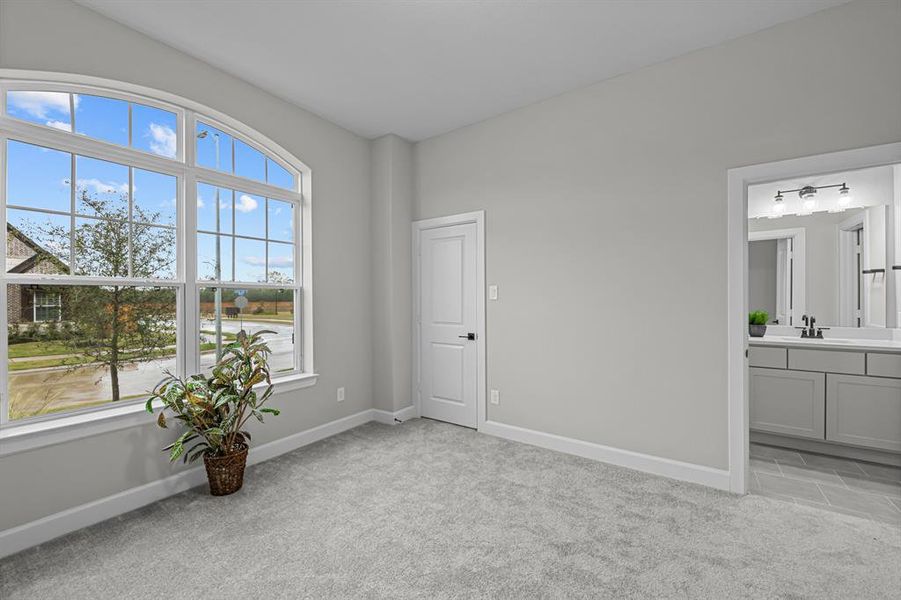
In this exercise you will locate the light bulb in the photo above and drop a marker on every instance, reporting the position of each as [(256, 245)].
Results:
[(844, 196)]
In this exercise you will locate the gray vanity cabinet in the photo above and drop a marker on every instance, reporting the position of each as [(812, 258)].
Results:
[(788, 402), (864, 411)]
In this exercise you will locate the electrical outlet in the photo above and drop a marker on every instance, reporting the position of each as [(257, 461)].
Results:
[(495, 397), (492, 292), (340, 394)]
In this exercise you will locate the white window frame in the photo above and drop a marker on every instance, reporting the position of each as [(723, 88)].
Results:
[(23, 434), (35, 306)]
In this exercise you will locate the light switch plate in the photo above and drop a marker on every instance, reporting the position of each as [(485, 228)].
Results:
[(340, 394), (495, 397), (492, 292)]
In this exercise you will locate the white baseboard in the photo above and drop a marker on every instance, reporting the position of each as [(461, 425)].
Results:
[(392, 418), (52, 526), (716, 478)]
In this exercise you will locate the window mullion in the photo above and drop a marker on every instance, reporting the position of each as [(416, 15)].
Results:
[(189, 318)]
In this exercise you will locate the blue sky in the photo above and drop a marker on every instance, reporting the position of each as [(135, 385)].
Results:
[(40, 178)]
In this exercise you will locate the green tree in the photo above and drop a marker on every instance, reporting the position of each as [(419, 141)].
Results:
[(278, 277), (117, 324)]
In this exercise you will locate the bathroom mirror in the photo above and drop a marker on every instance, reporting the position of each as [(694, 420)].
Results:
[(826, 246)]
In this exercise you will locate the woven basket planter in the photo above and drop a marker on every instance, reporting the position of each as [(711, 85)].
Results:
[(226, 473)]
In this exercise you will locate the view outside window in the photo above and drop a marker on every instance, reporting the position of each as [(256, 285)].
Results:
[(93, 239), (110, 343), (244, 237), (252, 310), (152, 130)]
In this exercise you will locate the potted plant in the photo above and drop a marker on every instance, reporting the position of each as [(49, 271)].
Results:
[(757, 321), (215, 409)]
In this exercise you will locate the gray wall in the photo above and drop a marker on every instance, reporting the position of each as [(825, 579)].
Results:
[(61, 36), (762, 276), (392, 209), (606, 221)]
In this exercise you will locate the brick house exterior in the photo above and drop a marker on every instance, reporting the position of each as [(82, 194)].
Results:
[(24, 255)]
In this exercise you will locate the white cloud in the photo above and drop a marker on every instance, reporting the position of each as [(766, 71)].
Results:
[(281, 261), (246, 204), (256, 261), (59, 125), (103, 187), (162, 140), (200, 202), (41, 105)]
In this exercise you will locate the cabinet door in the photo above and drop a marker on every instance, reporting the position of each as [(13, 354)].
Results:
[(864, 411), (788, 402)]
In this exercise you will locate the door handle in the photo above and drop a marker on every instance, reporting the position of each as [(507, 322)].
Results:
[(468, 336)]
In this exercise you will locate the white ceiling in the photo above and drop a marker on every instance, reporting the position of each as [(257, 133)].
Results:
[(418, 69)]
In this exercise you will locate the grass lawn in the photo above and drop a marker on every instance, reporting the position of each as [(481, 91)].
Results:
[(270, 316), (29, 349)]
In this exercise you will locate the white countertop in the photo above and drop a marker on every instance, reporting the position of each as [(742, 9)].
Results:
[(797, 341)]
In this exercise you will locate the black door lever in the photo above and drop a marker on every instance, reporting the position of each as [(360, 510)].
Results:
[(468, 336)]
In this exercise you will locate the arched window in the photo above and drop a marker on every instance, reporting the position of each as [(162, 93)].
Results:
[(141, 235)]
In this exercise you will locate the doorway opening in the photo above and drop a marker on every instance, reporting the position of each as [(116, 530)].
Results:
[(825, 306)]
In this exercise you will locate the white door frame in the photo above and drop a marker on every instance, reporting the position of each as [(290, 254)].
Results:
[(737, 265), (846, 231), (477, 217), (798, 236)]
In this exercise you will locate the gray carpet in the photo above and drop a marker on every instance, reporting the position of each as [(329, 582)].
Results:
[(428, 510)]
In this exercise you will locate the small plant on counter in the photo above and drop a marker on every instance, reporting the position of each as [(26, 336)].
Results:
[(757, 321), (215, 410)]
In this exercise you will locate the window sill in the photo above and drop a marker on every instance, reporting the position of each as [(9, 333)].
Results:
[(29, 436)]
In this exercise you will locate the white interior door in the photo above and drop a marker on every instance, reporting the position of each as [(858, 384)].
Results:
[(449, 320)]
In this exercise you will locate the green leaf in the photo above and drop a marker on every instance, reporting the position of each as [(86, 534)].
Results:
[(161, 420), (272, 411)]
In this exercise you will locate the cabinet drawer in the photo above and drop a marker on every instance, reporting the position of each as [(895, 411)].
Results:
[(884, 365), (864, 411), (788, 402), (828, 361), (762, 356)]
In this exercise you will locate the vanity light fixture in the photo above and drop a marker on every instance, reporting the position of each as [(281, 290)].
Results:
[(808, 195)]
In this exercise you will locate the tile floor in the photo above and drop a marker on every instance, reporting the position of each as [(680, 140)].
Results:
[(841, 485)]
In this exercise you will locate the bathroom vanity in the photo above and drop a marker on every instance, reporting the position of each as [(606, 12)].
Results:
[(840, 396)]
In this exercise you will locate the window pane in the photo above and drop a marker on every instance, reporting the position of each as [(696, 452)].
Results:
[(38, 177), (250, 215), (102, 118), (281, 263), (45, 108), (73, 363), (101, 248), (207, 198), (153, 252), (155, 197), (265, 309), (281, 220), (278, 175), (207, 253), (154, 130), (37, 242), (249, 163), (250, 260), (102, 188), (214, 148)]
